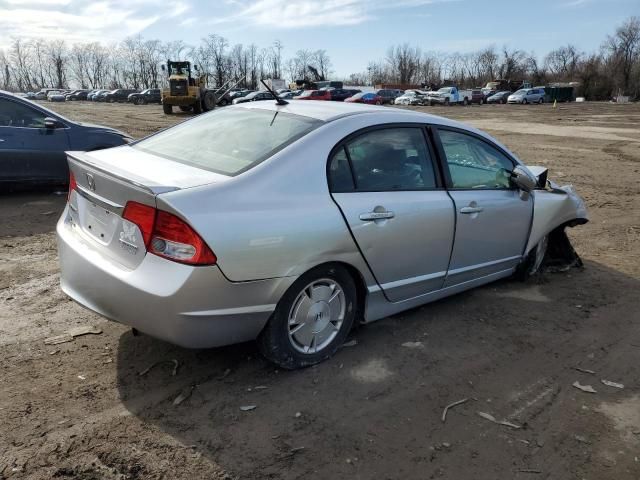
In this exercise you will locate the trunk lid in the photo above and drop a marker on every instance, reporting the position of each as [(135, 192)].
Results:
[(106, 180)]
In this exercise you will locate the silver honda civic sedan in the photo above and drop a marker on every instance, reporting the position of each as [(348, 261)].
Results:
[(289, 223)]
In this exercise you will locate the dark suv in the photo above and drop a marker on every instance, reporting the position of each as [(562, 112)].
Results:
[(119, 95), (150, 95), (389, 95), (341, 94)]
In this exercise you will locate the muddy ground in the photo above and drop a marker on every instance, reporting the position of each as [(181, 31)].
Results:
[(83, 410)]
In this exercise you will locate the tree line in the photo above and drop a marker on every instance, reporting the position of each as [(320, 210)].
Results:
[(28, 65), (614, 69)]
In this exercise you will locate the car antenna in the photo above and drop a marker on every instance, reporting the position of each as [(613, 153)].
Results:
[(279, 101)]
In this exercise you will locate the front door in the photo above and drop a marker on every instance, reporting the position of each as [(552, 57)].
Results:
[(492, 220), (402, 220), (29, 152)]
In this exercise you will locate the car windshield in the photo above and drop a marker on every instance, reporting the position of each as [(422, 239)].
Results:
[(146, 91), (520, 92), (358, 95), (307, 93), (229, 141), (445, 90)]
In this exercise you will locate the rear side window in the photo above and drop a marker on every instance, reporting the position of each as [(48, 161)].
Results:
[(229, 141), (383, 160)]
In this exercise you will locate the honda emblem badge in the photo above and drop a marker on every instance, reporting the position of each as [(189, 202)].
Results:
[(91, 182)]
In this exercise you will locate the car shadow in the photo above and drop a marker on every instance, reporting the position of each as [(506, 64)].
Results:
[(373, 410), (31, 211)]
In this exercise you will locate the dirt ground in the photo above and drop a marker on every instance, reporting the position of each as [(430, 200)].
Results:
[(84, 410)]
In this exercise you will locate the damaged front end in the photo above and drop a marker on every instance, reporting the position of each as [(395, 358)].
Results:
[(555, 208)]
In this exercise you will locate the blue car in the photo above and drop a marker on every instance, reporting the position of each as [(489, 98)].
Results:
[(33, 141)]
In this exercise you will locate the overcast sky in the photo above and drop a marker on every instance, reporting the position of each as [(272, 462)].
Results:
[(352, 31)]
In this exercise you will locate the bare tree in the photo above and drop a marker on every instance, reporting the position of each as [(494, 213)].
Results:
[(624, 47)]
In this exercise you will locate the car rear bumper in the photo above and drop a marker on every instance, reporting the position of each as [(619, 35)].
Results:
[(194, 307)]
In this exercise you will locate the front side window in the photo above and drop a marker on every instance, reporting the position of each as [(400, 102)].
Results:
[(228, 141), (386, 160), (473, 163), (14, 114)]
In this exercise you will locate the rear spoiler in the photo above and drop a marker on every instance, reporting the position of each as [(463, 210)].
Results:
[(85, 159)]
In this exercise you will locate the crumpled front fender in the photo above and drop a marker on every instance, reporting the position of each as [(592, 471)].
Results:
[(554, 207)]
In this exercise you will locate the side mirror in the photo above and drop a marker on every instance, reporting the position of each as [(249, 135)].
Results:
[(523, 179), (51, 123)]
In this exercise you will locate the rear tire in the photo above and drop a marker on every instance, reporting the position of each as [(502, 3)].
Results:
[(167, 109), (446, 102), (141, 101), (321, 307), (465, 102), (209, 101), (184, 109), (541, 101)]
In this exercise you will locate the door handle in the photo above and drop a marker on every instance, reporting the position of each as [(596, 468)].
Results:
[(372, 216), (469, 210)]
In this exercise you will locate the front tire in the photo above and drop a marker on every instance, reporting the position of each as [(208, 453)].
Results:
[(167, 109), (534, 262), (208, 101), (312, 319)]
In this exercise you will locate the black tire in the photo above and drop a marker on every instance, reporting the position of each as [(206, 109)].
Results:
[(208, 101), (141, 101), (524, 101), (197, 107), (111, 100), (274, 341), (532, 265), (184, 108), (465, 102), (446, 102), (167, 109), (541, 101)]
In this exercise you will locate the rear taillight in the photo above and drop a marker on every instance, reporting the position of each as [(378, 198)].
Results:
[(143, 216), (72, 185), (168, 236)]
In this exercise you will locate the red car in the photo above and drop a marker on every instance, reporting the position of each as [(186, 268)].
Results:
[(365, 97), (315, 95)]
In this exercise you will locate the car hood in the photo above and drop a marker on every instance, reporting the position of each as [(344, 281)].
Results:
[(103, 129)]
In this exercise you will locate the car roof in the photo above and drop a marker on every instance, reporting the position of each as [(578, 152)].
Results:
[(329, 111)]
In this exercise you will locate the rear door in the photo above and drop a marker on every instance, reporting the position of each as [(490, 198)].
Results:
[(30, 152), (402, 220), (492, 220)]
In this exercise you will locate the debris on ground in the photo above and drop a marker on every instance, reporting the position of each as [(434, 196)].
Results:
[(298, 414), (225, 374), (491, 418), (451, 405), (585, 370), (609, 383), (185, 394), (581, 439), (584, 388), (351, 343), (247, 408), (174, 372), (71, 334), (529, 470), (413, 344)]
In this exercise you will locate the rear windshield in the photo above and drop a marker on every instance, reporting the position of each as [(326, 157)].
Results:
[(228, 141)]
